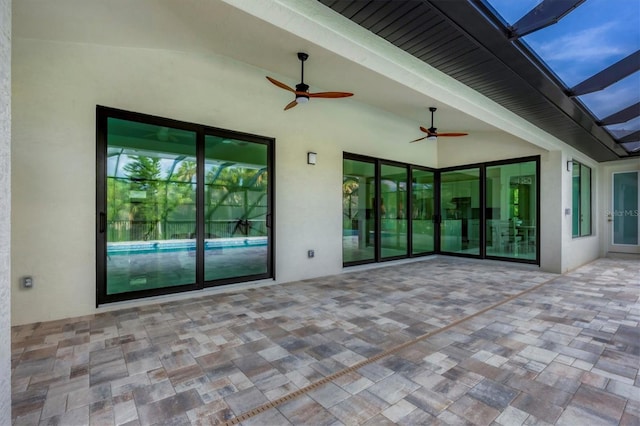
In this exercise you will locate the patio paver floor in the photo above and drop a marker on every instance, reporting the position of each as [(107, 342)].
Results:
[(430, 342)]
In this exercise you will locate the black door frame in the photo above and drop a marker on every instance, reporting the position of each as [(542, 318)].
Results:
[(102, 115)]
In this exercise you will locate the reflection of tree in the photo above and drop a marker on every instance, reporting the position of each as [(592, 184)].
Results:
[(144, 175), (179, 189), (350, 186), (153, 197), (240, 190)]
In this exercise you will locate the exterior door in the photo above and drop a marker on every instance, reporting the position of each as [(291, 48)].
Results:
[(623, 218), (180, 206)]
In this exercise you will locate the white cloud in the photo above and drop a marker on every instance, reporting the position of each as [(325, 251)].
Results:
[(587, 45), (613, 98)]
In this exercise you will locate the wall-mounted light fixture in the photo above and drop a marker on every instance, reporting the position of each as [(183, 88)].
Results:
[(570, 165), (311, 158)]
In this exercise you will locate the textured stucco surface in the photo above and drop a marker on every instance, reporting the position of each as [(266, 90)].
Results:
[(5, 211)]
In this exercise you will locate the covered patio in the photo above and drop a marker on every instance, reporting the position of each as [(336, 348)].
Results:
[(438, 341)]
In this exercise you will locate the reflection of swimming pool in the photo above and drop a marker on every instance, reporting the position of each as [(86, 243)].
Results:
[(171, 246)]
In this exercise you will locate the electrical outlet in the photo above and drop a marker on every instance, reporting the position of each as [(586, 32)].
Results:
[(27, 282), (311, 253)]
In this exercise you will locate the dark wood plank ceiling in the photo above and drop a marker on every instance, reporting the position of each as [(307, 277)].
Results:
[(454, 37)]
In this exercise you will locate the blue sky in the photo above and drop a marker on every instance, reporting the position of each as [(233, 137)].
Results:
[(587, 40)]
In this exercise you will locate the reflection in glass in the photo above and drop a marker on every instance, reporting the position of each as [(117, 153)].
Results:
[(358, 213), (581, 200), (625, 208), (585, 200), (235, 208), (151, 215), (460, 210), (511, 210), (422, 211), (393, 211)]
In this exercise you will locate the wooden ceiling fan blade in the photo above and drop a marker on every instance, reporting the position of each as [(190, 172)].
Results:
[(425, 130), (291, 105), (452, 134), (280, 85), (419, 139), (330, 95)]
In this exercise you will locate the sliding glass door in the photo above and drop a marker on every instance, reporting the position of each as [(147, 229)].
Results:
[(512, 210), (151, 206), (422, 211), (359, 211), (387, 210), (460, 211), (235, 208), (393, 211), (180, 206)]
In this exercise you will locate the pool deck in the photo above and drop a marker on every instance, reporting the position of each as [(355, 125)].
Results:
[(440, 341)]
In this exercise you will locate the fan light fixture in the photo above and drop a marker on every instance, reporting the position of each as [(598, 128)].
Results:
[(432, 132), (301, 93)]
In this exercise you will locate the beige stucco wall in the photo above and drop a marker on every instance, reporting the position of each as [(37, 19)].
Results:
[(56, 87), (5, 212)]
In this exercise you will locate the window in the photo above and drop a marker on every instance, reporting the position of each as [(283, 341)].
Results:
[(581, 200), (180, 206)]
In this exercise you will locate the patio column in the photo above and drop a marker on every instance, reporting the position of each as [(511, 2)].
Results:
[(5, 212)]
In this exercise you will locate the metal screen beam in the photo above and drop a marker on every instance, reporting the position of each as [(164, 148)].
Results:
[(621, 116), (608, 76), (546, 13), (633, 137)]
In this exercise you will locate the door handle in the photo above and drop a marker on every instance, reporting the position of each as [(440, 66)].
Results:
[(102, 225)]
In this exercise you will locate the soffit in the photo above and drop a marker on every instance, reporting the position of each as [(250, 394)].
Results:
[(455, 38)]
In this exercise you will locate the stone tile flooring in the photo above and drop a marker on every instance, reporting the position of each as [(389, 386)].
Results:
[(441, 341)]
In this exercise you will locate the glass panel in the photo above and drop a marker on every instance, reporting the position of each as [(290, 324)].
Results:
[(393, 211), (575, 199), (460, 210), (422, 211), (625, 208), (585, 200), (235, 208), (511, 210), (151, 215), (358, 213)]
